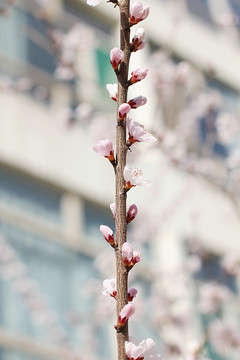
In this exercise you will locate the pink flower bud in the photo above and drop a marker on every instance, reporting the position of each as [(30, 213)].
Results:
[(132, 212), (113, 91), (138, 12), (113, 209), (130, 257), (123, 110), (138, 75), (132, 294), (137, 101), (125, 314), (138, 42), (107, 233), (116, 57), (105, 148), (109, 287)]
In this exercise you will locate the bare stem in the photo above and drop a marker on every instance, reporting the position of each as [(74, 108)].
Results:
[(120, 196)]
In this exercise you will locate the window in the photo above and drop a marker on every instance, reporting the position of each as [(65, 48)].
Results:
[(200, 8), (24, 37), (94, 216), (59, 274), (235, 6), (29, 195)]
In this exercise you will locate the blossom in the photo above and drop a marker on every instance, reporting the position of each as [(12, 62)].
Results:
[(109, 287), (116, 57), (137, 133), (133, 177), (212, 296), (127, 311), (138, 12), (113, 209), (138, 75), (107, 233), (113, 91), (130, 257), (137, 101), (93, 2), (105, 148), (145, 350), (132, 212), (138, 41), (123, 110), (132, 294)]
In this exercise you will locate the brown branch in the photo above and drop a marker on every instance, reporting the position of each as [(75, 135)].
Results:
[(120, 196)]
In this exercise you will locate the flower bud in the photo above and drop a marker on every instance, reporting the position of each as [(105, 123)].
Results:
[(132, 212), (107, 233), (105, 148), (123, 110), (113, 209), (116, 57), (138, 75), (132, 294), (138, 13), (127, 311), (137, 101)]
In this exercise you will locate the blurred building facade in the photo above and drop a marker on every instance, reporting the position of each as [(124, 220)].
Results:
[(55, 191)]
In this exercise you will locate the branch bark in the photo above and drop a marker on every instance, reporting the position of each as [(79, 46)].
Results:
[(120, 194)]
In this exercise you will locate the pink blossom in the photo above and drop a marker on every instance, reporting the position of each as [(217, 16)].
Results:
[(113, 91), (212, 297), (123, 110), (138, 12), (138, 75), (145, 350), (132, 294), (137, 133), (130, 257), (127, 311), (105, 148), (116, 57), (224, 336), (138, 41), (109, 287), (107, 233), (134, 177), (113, 209), (132, 213), (137, 101)]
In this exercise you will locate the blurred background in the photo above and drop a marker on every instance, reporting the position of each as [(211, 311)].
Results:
[(55, 190)]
